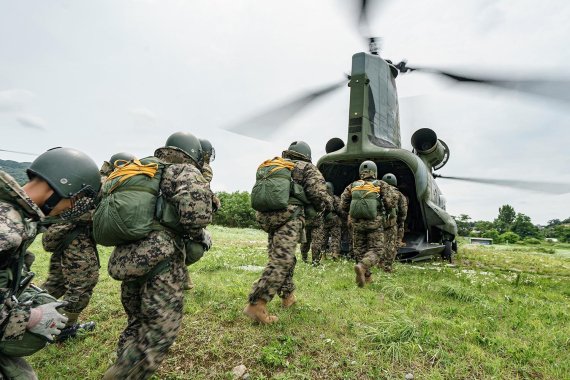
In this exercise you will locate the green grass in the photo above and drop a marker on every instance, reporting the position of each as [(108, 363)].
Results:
[(499, 313)]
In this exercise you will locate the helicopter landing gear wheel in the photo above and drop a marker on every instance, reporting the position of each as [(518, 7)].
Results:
[(447, 253)]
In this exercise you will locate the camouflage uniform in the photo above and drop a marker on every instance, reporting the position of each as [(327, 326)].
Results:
[(74, 264), (313, 239), (18, 228), (331, 228), (368, 235), (284, 228), (152, 273), (402, 214), (391, 198)]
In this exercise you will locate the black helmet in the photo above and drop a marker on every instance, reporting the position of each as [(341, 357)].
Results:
[(390, 179), (208, 151), (330, 188), (187, 143), (300, 149), (368, 169)]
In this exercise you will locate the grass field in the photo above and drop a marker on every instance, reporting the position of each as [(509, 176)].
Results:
[(500, 313)]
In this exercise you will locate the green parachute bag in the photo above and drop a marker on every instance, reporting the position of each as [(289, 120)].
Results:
[(127, 209), (364, 202), (272, 185)]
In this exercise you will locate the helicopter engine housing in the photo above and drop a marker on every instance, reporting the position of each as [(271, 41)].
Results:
[(433, 151)]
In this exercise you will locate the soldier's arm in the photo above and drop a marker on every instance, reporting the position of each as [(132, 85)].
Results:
[(345, 199), (316, 189), (402, 209)]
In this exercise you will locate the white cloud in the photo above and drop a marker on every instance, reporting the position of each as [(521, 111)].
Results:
[(14, 99), (30, 121)]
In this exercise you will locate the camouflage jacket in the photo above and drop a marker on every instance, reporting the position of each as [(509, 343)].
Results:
[(18, 228), (186, 189), (402, 209), (307, 175), (207, 172)]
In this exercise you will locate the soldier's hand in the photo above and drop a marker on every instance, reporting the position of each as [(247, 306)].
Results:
[(46, 320)]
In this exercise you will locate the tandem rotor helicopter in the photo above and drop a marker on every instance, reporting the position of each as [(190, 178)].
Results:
[(374, 134)]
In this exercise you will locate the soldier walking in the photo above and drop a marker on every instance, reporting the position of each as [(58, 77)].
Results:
[(394, 230)]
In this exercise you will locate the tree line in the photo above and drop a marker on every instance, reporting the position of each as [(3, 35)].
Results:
[(511, 227)]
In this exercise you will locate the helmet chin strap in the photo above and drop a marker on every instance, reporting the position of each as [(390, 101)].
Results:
[(50, 203)]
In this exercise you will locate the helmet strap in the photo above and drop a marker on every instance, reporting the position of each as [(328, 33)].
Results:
[(50, 203)]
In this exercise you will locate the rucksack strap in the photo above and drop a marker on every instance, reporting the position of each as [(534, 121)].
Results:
[(131, 169)]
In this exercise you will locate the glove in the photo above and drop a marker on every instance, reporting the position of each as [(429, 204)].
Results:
[(46, 320), (206, 240)]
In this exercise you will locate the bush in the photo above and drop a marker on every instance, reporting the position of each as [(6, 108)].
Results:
[(235, 211), (532, 241), (510, 237)]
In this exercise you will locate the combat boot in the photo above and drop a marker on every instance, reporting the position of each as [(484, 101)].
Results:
[(360, 275), (289, 300), (74, 330), (258, 312), (368, 279)]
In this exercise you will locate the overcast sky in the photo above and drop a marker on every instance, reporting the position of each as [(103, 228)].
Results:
[(121, 75)]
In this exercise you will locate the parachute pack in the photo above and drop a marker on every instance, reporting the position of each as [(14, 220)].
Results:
[(131, 206), (364, 203), (274, 188)]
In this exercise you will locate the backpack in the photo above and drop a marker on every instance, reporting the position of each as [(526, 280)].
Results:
[(131, 205), (364, 202), (273, 185)]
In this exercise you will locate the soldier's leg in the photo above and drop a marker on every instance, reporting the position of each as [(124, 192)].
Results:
[(131, 300), (375, 248), (80, 269), (318, 243), (160, 316), (15, 368), (306, 246), (279, 270), (335, 234), (55, 283), (359, 245)]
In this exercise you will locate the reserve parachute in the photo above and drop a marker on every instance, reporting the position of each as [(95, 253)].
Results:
[(273, 185)]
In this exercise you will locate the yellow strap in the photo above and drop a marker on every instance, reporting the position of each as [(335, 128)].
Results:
[(130, 169), (279, 163), (368, 187)]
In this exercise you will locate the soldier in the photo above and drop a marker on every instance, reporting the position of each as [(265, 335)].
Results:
[(62, 183), (367, 201), (394, 230), (284, 231), (331, 226), (154, 301)]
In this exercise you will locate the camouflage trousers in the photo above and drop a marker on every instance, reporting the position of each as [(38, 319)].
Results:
[(391, 245), (313, 242), (73, 273), (277, 277), (154, 309), (15, 368), (332, 236), (368, 246), (346, 238)]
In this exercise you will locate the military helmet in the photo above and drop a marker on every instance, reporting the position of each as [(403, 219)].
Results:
[(300, 148), (68, 172), (390, 179), (330, 188), (187, 143), (368, 169), (124, 156), (208, 150)]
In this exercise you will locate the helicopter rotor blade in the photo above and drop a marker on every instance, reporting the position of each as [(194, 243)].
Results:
[(265, 124), (543, 187), (558, 89), (17, 152)]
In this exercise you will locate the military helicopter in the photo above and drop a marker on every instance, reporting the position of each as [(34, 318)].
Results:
[(374, 134)]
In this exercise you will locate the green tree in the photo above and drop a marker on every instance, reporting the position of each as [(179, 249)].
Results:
[(492, 234), (235, 211), (505, 218), (523, 226), (464, 224)]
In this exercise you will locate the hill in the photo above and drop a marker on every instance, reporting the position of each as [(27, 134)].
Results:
[(15, 169)]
